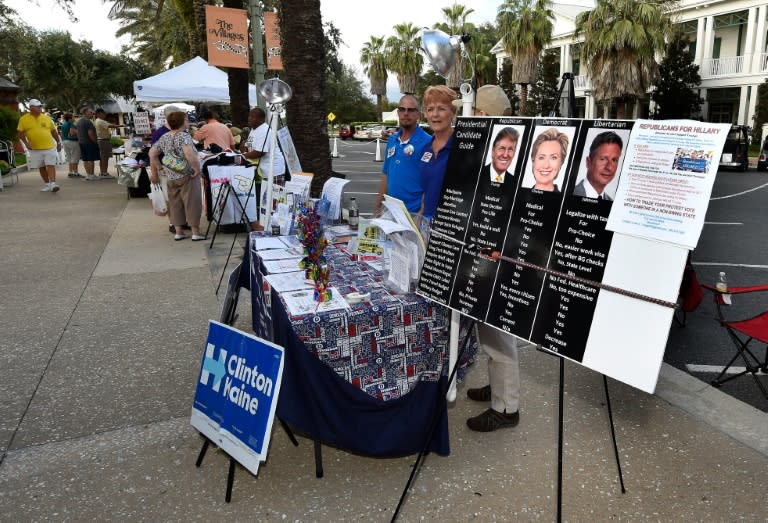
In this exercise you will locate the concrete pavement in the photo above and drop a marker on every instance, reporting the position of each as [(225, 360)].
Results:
[(104, 318)]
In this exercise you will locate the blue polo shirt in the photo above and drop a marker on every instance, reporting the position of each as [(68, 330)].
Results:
[(432, 171), (401, 165)]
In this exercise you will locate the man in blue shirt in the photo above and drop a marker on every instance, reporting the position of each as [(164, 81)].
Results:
[(401, 165)]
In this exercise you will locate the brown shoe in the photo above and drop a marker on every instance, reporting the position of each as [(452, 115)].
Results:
[(481, 394), (491, 420)]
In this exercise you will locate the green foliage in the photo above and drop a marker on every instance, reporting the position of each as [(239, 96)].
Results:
[(116, 141), (5, 167), (761, 113), (675, 94), (505, 82), (9, 119), (546, 89), (621, 40), (404, 57), (63, 73), (345, 97)]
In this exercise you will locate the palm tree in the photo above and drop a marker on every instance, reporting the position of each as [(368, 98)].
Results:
[(455, 24), (304, 60), (621, 40), (374, 63), (404, 57), (526, 28)]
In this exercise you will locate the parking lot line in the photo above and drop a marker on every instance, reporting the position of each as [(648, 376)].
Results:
[(723, 223), (739, 193), (724, 264), (714, 368)]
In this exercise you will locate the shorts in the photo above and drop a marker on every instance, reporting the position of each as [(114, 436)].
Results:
[(105, 149), (43, 157), (72, 151), (89, 152)]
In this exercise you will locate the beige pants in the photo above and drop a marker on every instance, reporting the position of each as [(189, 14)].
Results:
[(503, 368), (185, 201)]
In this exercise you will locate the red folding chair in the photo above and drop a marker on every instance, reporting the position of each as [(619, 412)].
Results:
[(742, 333)]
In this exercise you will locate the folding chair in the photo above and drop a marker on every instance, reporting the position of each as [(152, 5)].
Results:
[(742, 333), (690, 294)]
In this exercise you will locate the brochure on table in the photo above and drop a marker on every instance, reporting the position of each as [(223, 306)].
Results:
[(558, 235)]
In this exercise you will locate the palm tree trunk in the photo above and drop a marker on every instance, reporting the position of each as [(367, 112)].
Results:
[(379, 106), (238, 84), (304, 61), (523, 100)]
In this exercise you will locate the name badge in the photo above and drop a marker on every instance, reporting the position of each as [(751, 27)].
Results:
[(390, 152), (426, 157)]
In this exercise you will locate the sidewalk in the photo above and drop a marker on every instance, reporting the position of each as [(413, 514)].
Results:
[(104, 319)]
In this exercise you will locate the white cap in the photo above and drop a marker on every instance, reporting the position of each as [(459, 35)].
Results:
[(34, 102)]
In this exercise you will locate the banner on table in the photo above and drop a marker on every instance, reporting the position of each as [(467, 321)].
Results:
[(242, 197), (540, 192), (227, 36), (237, 391)]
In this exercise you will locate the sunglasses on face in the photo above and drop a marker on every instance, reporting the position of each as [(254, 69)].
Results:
[(407, 110)]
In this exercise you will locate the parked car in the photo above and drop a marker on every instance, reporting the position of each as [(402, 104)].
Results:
[(762, 161), (736, 149), (387, 132), (345, 132)]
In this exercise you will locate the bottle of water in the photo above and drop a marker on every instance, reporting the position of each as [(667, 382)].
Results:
[(722, 283), (354, 213)]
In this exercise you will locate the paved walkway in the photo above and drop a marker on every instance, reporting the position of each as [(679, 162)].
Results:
[(103, 323)]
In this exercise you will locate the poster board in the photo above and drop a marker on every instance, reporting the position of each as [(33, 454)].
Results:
[(237, 391), (528, 210), (240, 177), (289, 150), (141, 122)]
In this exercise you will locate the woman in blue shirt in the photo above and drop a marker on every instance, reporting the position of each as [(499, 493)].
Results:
[(440, 112)]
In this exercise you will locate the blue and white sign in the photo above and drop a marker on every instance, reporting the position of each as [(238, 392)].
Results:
[(237, 393)]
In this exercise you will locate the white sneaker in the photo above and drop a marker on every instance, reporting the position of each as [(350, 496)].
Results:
[(54, 187), (47, 188), (91, 178)]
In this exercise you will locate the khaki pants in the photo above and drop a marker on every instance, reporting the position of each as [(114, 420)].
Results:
[(185, 201), (503, 368)]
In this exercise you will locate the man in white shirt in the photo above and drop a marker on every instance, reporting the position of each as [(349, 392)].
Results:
[(258, 145), (602, 164)]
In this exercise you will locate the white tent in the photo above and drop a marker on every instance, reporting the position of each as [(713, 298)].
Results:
[(194, 81)]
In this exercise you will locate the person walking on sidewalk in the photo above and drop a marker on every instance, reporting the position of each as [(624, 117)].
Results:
[(71, 146), (104, 140), (89, 147), (39, 135)]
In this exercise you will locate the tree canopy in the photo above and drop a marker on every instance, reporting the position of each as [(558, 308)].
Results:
[(675, 93)]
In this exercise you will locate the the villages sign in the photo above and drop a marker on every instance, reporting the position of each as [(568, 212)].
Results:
[(227, 36)]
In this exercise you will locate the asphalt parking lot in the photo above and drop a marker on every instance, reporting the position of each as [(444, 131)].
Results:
[(732, 241)]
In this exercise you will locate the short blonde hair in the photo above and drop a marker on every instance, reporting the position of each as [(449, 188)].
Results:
[(440, 94), (551, 135)]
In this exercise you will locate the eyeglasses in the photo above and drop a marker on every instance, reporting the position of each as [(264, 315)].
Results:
[(407, 110)]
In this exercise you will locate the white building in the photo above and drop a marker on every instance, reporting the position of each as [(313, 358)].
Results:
[(729, 44)]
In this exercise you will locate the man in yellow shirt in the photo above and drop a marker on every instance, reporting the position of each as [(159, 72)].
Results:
[(39, 135)]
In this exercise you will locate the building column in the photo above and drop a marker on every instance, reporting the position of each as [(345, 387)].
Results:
[(749, 43), (709, 37), (759, 48), (752, 107), (700, 43), (743, 101)]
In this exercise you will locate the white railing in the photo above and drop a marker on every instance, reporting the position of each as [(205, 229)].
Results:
[(715, 67), (582, 82), (764, 63)]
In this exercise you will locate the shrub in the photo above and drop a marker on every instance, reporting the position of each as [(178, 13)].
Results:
[(9, 119)]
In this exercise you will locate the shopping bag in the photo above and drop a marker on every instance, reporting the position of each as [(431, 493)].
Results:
[(128, 175), (158, 200)]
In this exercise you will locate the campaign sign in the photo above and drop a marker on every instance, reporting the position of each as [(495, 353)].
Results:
[(240, 178), (237, 392)]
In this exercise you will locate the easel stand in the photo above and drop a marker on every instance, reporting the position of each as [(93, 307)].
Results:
[(560, 409), (228, 316)]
